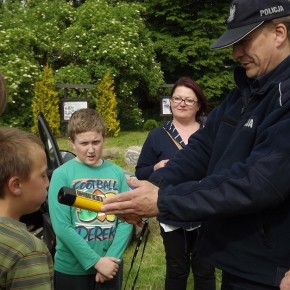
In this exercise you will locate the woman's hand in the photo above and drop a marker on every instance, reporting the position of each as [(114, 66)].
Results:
[(160, 164)]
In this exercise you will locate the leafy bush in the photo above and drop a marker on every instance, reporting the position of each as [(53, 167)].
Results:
[(106, 104), (134, 119), (150, 124), (72, 74), (46, 101)]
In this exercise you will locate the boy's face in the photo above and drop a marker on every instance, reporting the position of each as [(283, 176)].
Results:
[(88, 147), (34, 190)]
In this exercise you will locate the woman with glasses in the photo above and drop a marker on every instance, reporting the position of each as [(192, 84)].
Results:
[(189, 108)]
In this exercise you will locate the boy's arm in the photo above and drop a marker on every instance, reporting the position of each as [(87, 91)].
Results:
[(123, 231), (121, 239)]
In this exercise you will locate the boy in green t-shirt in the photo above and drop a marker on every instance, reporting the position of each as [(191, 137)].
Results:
[(89, 245)]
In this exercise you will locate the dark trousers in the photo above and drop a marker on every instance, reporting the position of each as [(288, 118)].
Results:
[(86, 282), (181, 255), (231, 282)]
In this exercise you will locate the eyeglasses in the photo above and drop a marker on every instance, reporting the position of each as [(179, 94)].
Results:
[(179, 100)]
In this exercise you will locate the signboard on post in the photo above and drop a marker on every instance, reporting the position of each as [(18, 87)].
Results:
[(70, 106), (165, 106), (165, 100)]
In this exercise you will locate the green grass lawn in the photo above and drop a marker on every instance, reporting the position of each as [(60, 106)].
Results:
[(152, 271)]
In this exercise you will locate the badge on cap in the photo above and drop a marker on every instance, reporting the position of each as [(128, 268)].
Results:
[(232, 13)]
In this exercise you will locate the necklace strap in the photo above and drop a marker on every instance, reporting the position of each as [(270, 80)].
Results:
[(176, 143)]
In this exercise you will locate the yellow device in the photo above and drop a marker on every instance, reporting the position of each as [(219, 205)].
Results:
[(80, 199), (85, 200)]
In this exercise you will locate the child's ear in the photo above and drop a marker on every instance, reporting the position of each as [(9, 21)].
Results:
[(14, 185), (71, 142)]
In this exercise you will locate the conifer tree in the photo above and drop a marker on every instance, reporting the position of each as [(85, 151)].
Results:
[(106, 104), (46, 100)]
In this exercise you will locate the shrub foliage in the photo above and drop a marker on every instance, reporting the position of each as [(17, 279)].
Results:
[(46, 101), (106, 104)]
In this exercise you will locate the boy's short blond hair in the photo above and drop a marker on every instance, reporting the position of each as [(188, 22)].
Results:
[(85, 120), (17, 148)]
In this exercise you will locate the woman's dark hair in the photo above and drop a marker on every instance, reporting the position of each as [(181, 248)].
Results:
[(191, 84)]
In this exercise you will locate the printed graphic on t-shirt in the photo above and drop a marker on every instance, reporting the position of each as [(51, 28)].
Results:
[(91, 225)]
